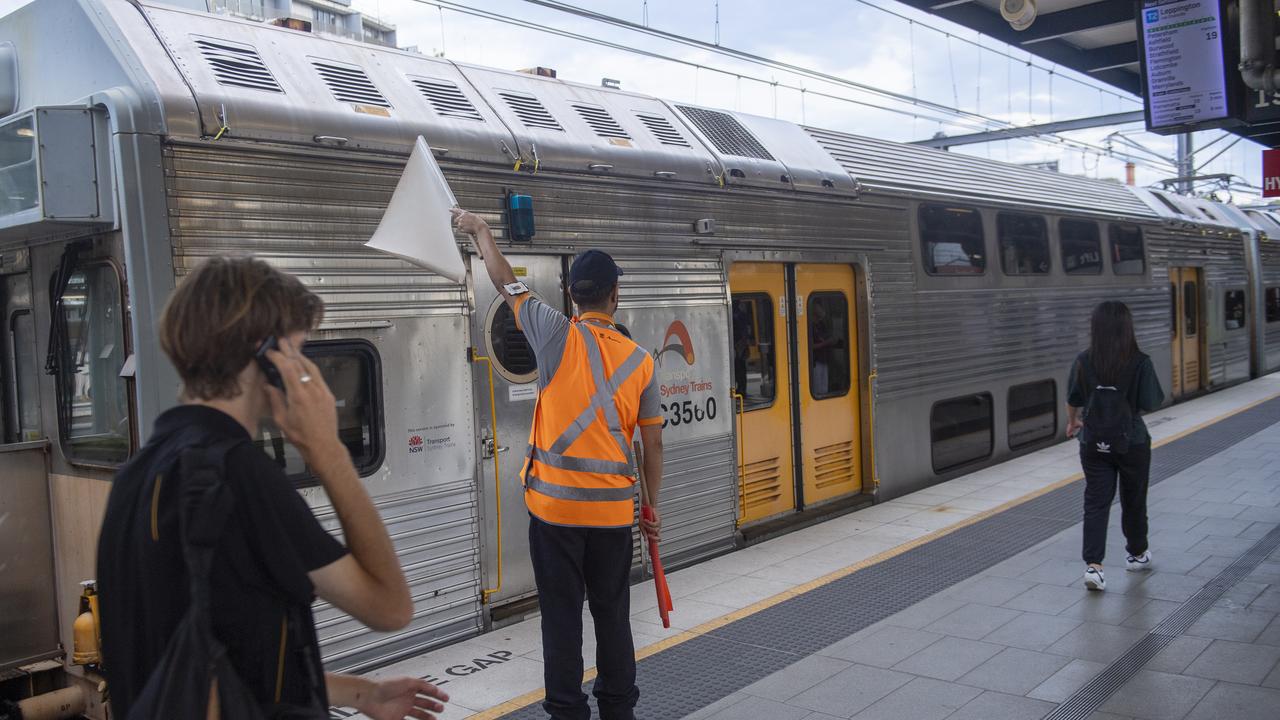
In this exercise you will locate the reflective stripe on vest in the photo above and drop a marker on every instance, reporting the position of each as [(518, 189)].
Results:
[(604, 489)]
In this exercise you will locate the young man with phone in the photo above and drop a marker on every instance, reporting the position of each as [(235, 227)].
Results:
[(596, 388), (220, 330)]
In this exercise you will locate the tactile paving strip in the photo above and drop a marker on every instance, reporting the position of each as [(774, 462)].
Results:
[(1091, 697), (696, 673)]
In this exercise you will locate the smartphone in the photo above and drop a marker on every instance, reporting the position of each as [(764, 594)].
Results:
[(269, 368)]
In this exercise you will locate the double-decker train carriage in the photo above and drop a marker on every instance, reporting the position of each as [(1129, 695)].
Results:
[(835, 320)]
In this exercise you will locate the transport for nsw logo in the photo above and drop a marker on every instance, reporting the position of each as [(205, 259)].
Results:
[(676, 340)]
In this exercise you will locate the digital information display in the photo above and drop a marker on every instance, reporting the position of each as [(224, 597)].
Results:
[(1182, 43)]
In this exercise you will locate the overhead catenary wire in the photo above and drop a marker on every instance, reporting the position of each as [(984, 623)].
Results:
[(971, 123), (751, 57), (742, 55), (603, 17), (959, 119), (993, 51)]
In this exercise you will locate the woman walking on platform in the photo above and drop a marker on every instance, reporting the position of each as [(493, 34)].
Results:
[(1110, 384)]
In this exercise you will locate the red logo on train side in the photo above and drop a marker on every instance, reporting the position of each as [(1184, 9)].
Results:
[(676, 340)]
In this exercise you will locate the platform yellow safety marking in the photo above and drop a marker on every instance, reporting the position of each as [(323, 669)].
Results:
[(537, 695)]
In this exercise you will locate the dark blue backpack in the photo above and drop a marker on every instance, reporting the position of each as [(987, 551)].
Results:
[(1109, 411)]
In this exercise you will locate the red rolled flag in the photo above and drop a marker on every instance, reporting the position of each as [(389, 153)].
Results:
[(659, 577)]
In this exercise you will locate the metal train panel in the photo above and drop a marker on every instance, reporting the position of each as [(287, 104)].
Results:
[(310, 214), (1220, 255), (1267, 318), (677, 309), (900, 168)]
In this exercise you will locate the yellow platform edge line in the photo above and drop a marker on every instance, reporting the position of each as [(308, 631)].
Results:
[(530, 698)]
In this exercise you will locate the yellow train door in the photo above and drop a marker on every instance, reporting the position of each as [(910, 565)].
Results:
[(827, 343), (1185, 298), (762, 390)]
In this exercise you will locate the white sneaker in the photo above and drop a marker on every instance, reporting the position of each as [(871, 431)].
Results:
[(1141, 562), (1094, 580)]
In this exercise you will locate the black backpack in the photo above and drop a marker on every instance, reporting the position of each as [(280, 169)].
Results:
[(1109, 412), (194, 659)]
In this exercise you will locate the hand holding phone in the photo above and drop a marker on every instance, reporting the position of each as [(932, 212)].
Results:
[(269, 368)]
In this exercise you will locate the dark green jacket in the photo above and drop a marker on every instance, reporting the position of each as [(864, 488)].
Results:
[(1145, 393)]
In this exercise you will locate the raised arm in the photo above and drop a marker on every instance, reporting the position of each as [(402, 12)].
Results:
[(368, 582), (500, 272)]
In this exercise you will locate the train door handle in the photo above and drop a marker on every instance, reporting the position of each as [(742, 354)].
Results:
[(491, 448)]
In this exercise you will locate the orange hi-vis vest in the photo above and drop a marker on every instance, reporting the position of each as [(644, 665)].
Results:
[(579, 465)]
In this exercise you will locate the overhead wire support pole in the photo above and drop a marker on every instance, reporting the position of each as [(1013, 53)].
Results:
[(1030, 130), (1218, 154)]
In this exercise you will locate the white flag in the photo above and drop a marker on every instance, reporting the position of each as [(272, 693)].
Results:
[(417, 225)]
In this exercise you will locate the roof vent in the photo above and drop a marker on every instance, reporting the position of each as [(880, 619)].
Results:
[(601, 121), (237, 65), (446, 98), (349, 83), (726, 133), (530, 111), (663, 130)]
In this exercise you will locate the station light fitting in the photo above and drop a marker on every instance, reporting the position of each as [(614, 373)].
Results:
[(1018, 13)]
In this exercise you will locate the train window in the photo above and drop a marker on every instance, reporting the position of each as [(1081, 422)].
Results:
[(755, 365), (829, 374), (88, 351), (353, 372), (1081, 247), (1233, 309), (1190, 309), (1273, 304), (952, 240), (25, 421), (1126, 250), (512, 356), (1024, 244), (960, 431), (1033, 413)]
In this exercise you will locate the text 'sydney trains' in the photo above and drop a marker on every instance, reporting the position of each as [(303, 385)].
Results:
[(835, 320)]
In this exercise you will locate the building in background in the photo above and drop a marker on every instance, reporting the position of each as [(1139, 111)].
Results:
[(333, 18)]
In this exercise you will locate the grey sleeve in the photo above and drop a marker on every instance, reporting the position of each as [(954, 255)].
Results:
[(650, 401), (547, 330)]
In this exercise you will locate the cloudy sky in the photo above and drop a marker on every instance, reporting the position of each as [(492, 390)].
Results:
[(852, 39)]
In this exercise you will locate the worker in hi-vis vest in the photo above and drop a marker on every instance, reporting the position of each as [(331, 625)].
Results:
[(595, 386)]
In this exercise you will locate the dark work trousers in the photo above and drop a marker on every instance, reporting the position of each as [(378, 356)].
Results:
[(1101, 471), (569, 562)]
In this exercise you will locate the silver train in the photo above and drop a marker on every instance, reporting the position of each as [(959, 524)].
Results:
[(836, 320)]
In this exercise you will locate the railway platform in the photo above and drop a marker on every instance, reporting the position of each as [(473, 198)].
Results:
[(966, 600)]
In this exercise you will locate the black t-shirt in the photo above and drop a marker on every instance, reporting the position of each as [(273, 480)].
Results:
[(262, 595), (1145, 393)]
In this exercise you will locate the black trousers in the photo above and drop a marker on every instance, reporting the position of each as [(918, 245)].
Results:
[(568, 563), (1101, 472)]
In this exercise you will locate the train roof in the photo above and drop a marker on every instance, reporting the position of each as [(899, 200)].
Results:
[(195, 75)]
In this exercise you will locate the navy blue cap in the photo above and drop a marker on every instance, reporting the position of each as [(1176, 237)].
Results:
[(592, 273)]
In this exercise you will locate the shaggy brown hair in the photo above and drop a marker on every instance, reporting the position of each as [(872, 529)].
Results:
[(221, 312)]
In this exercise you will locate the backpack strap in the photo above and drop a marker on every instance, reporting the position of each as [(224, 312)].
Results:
[(1128, 380), (205, 505)]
